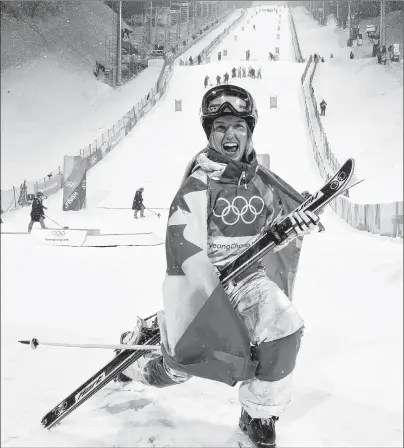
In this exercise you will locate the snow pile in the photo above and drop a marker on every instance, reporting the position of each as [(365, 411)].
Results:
[(364, 116)]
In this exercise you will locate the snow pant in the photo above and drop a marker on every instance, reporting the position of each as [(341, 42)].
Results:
[(40, 220), (269, 317), (141, 212)]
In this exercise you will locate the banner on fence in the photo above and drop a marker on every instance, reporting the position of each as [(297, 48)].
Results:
[(94, 158), (48, 187), (74, 187)]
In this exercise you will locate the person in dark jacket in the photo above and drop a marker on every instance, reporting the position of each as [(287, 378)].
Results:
[(218, 79), (206, 81), (138, 203), (226, 78), (323, 105), (199, 59), (233, 72), (37, 212), (351, 55)]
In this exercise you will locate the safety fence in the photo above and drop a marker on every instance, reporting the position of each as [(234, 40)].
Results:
[(382, 219), (295, 40), (204, 54), (21, 196)]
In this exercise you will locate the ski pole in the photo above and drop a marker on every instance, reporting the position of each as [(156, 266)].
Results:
[(34, 344), (157, 214), (56, 223)]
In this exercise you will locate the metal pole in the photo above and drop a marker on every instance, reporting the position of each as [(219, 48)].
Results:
[(382, 24), (119, 46)]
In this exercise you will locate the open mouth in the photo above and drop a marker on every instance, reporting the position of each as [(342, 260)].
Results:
[(230, 147)]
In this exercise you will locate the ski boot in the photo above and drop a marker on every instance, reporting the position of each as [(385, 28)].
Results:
[(140, 335), (261, 431)]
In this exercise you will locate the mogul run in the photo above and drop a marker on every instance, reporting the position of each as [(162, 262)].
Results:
[(226, 201)]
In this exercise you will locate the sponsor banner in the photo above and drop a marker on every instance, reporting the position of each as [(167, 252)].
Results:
[(59, 237), (50, 186), (94, 158), (74, 187)]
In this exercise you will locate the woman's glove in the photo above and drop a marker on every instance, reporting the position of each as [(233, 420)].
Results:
[(304, 222)]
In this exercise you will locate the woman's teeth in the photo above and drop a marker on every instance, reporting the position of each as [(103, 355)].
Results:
[(230, 147)]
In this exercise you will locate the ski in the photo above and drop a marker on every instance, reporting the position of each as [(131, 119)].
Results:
[(105, 375), (341, 181)]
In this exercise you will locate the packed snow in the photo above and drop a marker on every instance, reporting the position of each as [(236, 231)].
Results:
[(364, 115), (52, 104), (348, 379)]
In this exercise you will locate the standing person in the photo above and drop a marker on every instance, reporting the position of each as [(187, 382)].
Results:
[(351, 55), (138, 203), (248, 330), (226, 78), (218, 79), (323, 106), (191, 61), (37, 212), (199, 59), (206, 81), (259, 76), (233, 72), (219, 56), (239, 72)]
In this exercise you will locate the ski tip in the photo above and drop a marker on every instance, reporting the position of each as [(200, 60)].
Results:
[(25, 342)]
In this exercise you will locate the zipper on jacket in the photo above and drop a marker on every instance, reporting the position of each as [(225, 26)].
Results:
[(243, 176)]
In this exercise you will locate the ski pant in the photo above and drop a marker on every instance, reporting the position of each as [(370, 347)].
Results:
[(32, 223), (268, 316), (141, 212)]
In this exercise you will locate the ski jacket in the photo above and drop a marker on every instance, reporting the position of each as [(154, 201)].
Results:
[(137, 201), (218, 211), (37, 210)]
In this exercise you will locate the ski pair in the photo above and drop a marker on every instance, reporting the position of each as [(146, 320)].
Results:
[(275, 235)]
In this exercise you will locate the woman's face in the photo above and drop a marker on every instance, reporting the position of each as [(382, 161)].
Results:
[(230, 136)]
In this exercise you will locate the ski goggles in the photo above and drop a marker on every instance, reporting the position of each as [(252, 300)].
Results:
[(235, 99)]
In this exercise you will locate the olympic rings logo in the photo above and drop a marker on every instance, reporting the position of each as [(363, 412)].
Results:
[(59, 233), (248, 210), (71, 184)]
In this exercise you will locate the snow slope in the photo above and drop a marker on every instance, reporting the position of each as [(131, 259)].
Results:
[(348, 289), (364, 116), (51, 103)]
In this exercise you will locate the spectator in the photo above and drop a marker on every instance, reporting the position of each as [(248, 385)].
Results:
[(191, 61), (259, 73), (351, 55), (331, 56), (218, 79), (219, 56), (322, 59), (199, 59), (206, 81), (233, 72), (226, 78), (239, 72)]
